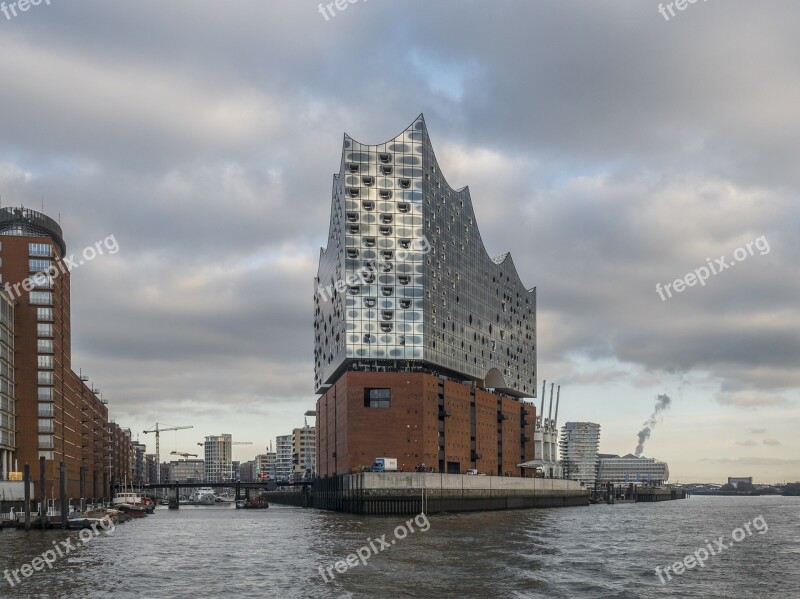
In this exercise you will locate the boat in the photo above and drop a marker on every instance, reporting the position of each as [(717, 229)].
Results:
[(80, 522), (134, 500), (132, 510), (253, 504), (203, 496)]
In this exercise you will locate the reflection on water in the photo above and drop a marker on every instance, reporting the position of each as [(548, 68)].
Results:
[(595, 551)]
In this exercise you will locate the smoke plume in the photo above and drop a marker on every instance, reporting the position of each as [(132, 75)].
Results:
[(662, 403)]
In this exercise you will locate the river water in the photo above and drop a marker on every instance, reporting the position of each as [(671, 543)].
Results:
[(596, 551)]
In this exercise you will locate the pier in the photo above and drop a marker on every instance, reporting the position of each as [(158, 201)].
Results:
[(401, 493)]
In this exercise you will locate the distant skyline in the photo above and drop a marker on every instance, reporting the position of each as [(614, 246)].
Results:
[(609, 150)]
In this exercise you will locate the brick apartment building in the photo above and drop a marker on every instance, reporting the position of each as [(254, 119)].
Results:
[(425, 346), (57, 415)]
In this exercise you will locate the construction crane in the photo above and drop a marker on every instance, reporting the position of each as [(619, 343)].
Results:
[(159, 428), (232, 443), (183, 454)]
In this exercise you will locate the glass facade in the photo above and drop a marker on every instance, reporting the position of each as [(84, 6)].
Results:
[(405, 280)]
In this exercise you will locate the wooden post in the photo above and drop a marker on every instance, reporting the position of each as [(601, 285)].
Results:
[(27, 478), (63, 489)]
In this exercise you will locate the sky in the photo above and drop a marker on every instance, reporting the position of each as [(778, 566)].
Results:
[(609, 147)]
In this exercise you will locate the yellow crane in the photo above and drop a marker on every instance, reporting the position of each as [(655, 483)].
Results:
[(160, 428)]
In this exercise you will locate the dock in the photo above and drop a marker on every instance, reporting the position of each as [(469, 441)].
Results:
[(403, 493)]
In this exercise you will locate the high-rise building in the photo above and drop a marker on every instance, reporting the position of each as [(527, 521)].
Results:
[(218, 459), (304, 452), (138, 466), (578, 446), (8, 410), (247, 471), (58, 417), (122, 456), (264, 465), (424, 344), (284, 466), (631, 469), (184, 471), (151, 468)]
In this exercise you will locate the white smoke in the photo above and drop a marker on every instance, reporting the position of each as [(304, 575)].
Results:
[(662, 403)]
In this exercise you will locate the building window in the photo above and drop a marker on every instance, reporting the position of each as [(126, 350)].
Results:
[(44, 346), (377, 398), (35, 265), (40, 249), (42, 281), (44, 330), (45, 377), (45, 394), (44, 313), (47, 410), (41, 297), (45, 361), (46, 442)]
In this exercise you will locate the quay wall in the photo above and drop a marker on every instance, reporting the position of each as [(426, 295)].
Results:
[(400, 493)]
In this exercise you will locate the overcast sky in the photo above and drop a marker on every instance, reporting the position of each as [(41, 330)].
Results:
[(608, 148)]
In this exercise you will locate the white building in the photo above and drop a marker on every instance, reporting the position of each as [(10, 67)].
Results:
[(305, 451), (218, 459), (578, 445), (284, 465), (631, 469)]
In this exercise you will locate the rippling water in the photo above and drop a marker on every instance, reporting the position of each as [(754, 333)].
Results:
[(596, 551)]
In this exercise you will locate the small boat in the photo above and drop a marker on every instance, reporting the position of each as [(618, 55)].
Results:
[(135, 500), (253, 504), (80, 522), (203, 496), (132, 510)]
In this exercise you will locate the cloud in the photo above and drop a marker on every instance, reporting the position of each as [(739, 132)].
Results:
[(748, 443), (209, 156), (758, 431), (750, 401), (753, 461), (772, 442)]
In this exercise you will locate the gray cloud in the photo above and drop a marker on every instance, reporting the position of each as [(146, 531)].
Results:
[(607, 149)]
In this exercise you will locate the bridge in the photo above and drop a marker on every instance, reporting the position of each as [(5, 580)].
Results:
[(268, 485)]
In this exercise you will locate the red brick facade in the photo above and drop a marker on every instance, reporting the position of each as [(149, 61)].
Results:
[(350, 434), (76, 418)]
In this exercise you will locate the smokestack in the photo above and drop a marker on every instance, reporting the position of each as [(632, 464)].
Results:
[(558, 399), (541, 412), (550, 411)]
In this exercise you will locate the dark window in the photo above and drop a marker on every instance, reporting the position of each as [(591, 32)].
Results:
[(377, 398)]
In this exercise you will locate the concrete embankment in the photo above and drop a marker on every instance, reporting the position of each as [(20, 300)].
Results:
[(410, 493)]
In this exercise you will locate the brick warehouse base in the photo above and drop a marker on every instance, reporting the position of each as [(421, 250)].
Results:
[(393, 493), (421, 418)]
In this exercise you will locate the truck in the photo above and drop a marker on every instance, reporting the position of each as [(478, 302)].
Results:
[(385, 465)]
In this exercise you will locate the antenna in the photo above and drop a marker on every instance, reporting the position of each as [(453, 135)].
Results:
[(550, 413)]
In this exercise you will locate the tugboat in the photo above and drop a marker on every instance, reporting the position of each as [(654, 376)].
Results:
[(254, 504)]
